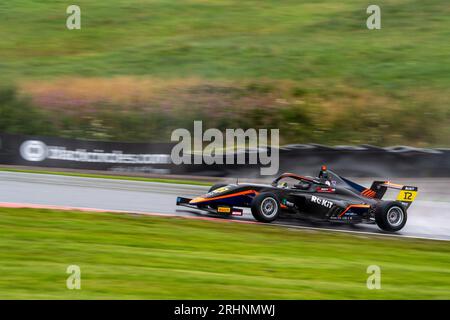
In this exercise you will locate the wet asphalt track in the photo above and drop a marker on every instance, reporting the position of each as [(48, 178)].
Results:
[(428, 217)]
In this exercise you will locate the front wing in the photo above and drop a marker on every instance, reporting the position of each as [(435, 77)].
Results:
[(220, 210)]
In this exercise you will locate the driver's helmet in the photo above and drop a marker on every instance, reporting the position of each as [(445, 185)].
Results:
[(323, 175), (323, 172)]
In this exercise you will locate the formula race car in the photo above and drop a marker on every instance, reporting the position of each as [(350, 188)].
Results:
[(328, 197)]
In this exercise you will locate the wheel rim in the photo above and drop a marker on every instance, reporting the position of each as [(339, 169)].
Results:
[(269, 207), (395, 216)]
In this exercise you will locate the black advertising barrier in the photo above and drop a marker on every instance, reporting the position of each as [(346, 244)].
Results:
[(84, 154), (361, 161), (366, 160)]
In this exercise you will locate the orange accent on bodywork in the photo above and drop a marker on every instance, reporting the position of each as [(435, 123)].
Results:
[(354, 206), (369, 193), (282, 206), (242, 193), (394, 185)]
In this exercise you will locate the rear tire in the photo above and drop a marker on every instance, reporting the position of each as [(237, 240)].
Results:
[(391, 216), (265, 207)]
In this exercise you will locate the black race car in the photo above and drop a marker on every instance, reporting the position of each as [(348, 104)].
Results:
[(327, 197)]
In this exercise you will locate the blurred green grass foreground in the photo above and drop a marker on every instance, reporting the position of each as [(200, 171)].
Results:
[(142, 257), (138, 69)]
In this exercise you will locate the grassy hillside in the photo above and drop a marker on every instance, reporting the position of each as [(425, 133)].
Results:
[(231, 39), (314, 60), (138, 257)]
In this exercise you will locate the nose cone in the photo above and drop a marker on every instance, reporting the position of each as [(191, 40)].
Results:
[(217, 193), (197, 200)]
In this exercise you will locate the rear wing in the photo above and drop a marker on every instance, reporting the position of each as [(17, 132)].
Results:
[(406, 195)]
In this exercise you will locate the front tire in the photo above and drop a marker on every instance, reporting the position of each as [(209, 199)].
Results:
[(391, 216), (265, 207)]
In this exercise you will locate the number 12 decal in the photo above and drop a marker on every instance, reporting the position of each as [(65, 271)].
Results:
[(407, 196)]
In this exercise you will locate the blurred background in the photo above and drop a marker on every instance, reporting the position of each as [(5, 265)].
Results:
[(139, 69), (341, 95)]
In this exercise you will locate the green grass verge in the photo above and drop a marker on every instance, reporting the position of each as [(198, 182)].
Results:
[(141, 257), (104, 176)]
